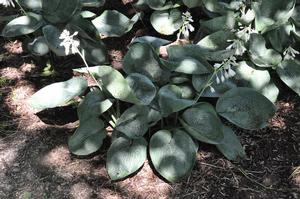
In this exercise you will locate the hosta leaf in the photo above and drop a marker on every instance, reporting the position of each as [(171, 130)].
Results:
[(216, 41), (160, 4), (23, 25), (170, 99), (203, 123), (142, 87), (153, 116), (187, 90), (125, 157), (289, 73), (58, 94), (88, 138), (112, 23), (113, 81), (153, 41), (94, 51), (166, 22), (270, 14), (93, 105), (38, 46), (213, 6), (226, 22), (246, 108), (141, 58), (179, 79), (216, 88), (134, 121), (260, 55), (192, 3), (296, 16), (260, 80), (59, 11), (92, 3), (84, 27), (230, 145), (87, 14), (35, 5), (173, 154), (280, 38), (192, 50), (52, 34), (187, 65)]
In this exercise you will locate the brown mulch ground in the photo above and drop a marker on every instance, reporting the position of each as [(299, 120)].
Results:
[(35, 161)]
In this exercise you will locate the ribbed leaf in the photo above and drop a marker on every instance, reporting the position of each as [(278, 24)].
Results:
[(58, 94), (125, 157), (23, 25), (173, 154), (289, 73), (202, 122), (88, 138), (230, 145), (134, 122), (246, 108)]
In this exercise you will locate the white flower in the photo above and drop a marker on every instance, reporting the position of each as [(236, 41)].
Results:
[(290, 53), (7, 3), (186, 27), (238, 46), (69, 42)]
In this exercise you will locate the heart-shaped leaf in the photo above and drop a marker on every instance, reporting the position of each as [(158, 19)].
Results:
[(58, 94), (134, 122), (52, 34), (88, 138), (93, 105), (218, 86), (155, 42), (216, 41), (173, 154), (94, 51), (170, 99), (38, 46), (203, 123), (113, 81), (230, 146), (112, 23), (141, 58), (187, 65), (153, 117), (166, 22), (125, 157), (23, 25), (289, 73), (260, 80), (246, 108), (142, 87), (35, 5), (226, 22), (59, 11), (192, 3), (260, 55)]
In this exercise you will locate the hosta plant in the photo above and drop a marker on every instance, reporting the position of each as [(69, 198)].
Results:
[(154, 106), (44, 21)]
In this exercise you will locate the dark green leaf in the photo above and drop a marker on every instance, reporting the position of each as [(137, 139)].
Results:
[(125, 157), (134, 122), (246, 108), (203, 123), (173, 154), (88, 138), (58, 94)]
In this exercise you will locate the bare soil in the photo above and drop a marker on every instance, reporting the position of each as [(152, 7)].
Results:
[(35, 161)]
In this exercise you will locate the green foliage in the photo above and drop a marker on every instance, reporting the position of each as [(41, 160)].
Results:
[(239, 44)]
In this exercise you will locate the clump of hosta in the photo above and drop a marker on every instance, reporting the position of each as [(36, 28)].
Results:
[(44, 22), (165, 94)]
